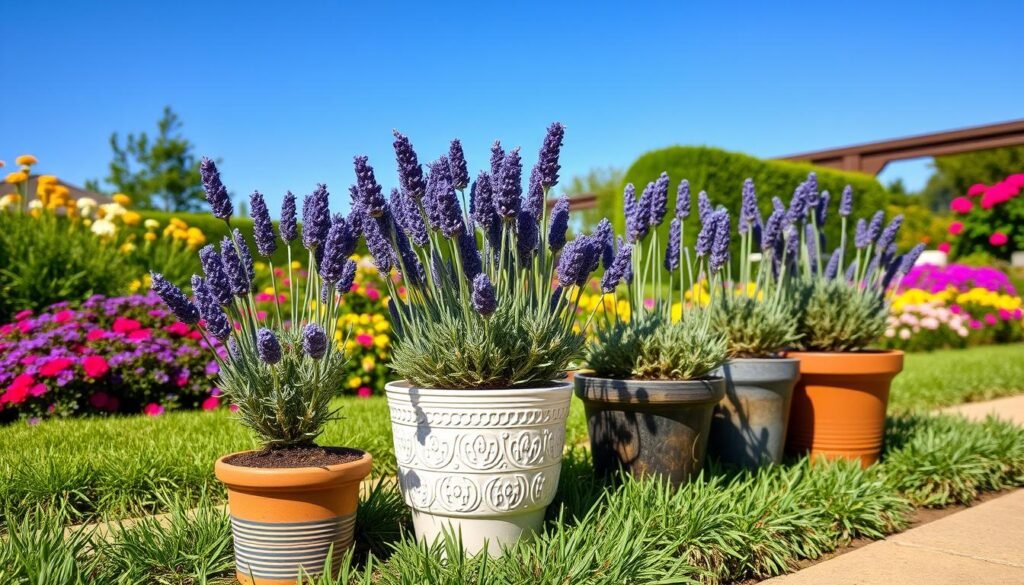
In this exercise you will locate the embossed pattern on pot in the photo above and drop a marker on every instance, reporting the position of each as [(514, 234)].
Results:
[(279, 551)]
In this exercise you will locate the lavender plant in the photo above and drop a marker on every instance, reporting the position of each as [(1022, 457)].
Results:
[(281, 373), (756, 313), (649, 343), (488, 299), (842, 298)]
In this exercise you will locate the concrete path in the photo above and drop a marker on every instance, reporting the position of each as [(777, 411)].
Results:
[(1010, 408), (983, 545)]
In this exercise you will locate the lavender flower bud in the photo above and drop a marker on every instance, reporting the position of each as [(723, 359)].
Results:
[(497, 160), (348, 277), (798, 205), (644, 207), (314, 341), (846, 202), (457, 165), (706, 236), (604, 233), (674, 247), (811, 242), (233, 350), (792, 252), (772, 230), (559, 224), (483, 297), (891, 270), (370, 192), (617, 271), (410, 265), (778, 205), (720, 246), (245, 255), (340, 244), (289, 227), (509, 188), (556, 299), (377, 235), (875, 227), (704, 208), (627, 274), (408, 216), (216, 321), (268, 348), (481, 201), (659, 200), (410, 174), (216, 192), (445, 212), (869, 274), (821, 213), (851, 271), (889, 235), (470, 256), (527, 236), (547, 161), (833, 264), (238, 277), (534, 202), (316, 218), (216, 278), (910, 258), (811, 190), (748, 209), (175, 300), (573, 263), (683, 200), (860, 235), (631, 211), (263, 228)]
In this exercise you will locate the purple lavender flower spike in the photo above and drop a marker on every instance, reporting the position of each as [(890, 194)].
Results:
[(644, 210), (175, 300), (799, 204), (409, 262), (470, 256), (889, 235), (851, 271), (556, 298), (573, 262), (316, 218), (534, 201), (245, 255), (238, 280), (833, 264), (348, 277), (706, 236), (216, 277), (340, 244), (268, 348), (410, 174), (811, 190), (594, 250), (216, 321), (547, 161), (288, 226), (875, 227), (408, 216), (263, 228), (483, 297), (627, 275), (509, 188), (674, 245), (377, 235), (659, 200), (683, 200), (481, 201), (846, 202), (604, 233), (216, 192), (457, 165), (748, 207), (370, 191), (559, 224), (811, 241), (720, 246), (778, 205), (630, 208), (860, 235), (527, 236), (621, 265), (910, 258), (444, 203), (772, 230), (869, 274), (821, 212), (314, 341), (497, 160), (704, 207)]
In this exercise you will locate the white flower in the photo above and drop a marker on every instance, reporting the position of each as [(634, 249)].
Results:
[(6, 201), (112, 210), (930, 323), (151, 224), (904, 334), (85, 202), (103, 227), (890, 333), (35, 204), (962, 332)]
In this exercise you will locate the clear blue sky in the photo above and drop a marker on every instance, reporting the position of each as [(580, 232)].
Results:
[(287, 94)]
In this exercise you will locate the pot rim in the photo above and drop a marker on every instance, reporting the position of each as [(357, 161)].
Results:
[(703, 391), (405, 388), (772, 360), (885, 361), (588, 375), (292, 478)]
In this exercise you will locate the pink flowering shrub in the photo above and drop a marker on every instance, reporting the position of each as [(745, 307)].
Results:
[(108, 355), (989, 219)]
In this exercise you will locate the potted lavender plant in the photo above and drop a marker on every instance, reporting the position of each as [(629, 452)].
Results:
[(839, 403), (292, 503), (650, 389), (482, 338), (757, 318)]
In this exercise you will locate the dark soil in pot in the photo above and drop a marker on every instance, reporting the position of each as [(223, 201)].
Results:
[(312, 456)]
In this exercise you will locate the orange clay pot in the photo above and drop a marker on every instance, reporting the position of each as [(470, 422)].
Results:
[(284, 520), (838, 408)]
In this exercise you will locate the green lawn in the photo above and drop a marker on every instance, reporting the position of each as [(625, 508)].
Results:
[(944, 378)]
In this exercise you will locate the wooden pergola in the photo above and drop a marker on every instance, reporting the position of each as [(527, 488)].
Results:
[(872, 157)]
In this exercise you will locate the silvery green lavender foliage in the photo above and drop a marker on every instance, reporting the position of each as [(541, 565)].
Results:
[(840, 306), (756, 314), (651, 342), (484, 314), (281, 373)]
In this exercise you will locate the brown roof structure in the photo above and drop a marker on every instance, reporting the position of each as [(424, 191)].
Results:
[(74, 191)]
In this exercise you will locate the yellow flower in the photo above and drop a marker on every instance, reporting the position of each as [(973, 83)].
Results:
[(296, 264), (127, 248), (369, 363), (122, 199), (150, 237), (381, 341), (131, 218), (16, 177), (382, 326), (178, 223), (46, 180), (151, 224), (355, 382), (26, 160)]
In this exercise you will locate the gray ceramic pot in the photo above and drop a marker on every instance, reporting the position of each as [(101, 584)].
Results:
[(649, 427), (749, 425)]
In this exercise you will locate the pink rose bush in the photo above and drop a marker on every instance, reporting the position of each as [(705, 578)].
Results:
[(990, 219), (108, 355)]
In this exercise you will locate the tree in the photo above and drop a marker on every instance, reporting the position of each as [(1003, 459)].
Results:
[(160, 170)]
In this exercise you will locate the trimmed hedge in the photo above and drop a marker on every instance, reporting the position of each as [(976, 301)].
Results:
[(721, 173)]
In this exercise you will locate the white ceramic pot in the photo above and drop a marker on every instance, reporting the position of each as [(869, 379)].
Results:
[(483, 463)]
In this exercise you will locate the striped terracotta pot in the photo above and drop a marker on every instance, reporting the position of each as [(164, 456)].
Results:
[(287, 521)]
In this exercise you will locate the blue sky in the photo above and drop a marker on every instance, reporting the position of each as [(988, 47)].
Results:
[(286, 94)]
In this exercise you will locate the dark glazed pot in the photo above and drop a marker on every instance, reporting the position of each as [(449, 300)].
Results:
[(749, 425), (649, 427)]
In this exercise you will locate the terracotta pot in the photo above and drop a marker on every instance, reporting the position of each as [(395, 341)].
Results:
[(284, 520), (481, 463), (839, 404), (749, 425), (649, 427)]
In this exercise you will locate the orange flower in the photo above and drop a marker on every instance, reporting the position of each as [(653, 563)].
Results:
[(16, 177), (26, 160), (46, 180), (122, 199)]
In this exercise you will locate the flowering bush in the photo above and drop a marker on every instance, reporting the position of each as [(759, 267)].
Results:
[(108, 355), (990, 218)]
